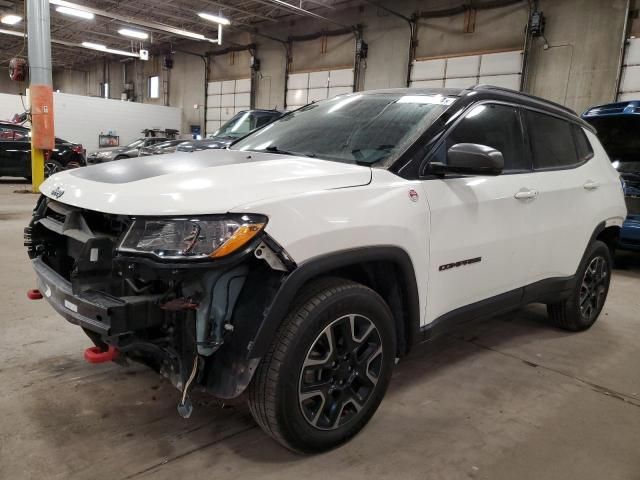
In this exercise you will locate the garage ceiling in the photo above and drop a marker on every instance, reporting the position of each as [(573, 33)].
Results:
[(244, 14)]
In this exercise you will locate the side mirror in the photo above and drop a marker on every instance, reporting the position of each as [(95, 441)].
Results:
[(470, 159)]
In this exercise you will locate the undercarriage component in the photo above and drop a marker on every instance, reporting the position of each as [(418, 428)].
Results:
[(185, 407)]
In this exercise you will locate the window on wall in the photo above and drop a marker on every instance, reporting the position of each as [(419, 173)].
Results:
[(154, 87)]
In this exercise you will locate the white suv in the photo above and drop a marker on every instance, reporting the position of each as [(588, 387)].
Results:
[(302, 262)]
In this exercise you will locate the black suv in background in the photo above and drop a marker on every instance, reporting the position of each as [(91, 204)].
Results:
[(241, 125), (15, 153)]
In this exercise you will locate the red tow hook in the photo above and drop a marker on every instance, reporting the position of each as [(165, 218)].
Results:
[(96, 355), (34, 294)]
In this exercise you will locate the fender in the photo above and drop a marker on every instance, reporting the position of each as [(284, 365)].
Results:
[(324, 264)]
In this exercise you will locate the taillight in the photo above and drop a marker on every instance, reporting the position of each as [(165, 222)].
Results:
[(77, 149), (47, 155)]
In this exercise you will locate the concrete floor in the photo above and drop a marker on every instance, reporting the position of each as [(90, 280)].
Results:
[(511, 399)]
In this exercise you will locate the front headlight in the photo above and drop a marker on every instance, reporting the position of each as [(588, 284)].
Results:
[(184, 238)]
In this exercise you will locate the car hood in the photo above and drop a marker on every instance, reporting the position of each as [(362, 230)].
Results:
[(214, 181), (108, 149)]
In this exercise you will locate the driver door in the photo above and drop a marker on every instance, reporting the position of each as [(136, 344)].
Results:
[(479, 246)]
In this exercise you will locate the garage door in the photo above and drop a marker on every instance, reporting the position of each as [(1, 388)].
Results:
[(630, 80), (226, 98), (307, 87), (503, 69)]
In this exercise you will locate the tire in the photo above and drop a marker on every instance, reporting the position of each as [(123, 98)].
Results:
[(312, 419), (120, 157), (51, 167), (582, 308)]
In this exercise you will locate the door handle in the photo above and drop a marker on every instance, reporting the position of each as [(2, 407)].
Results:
[(590, 185), (526, 194)]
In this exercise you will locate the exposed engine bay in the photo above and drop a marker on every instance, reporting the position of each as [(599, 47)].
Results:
[(193, 322)]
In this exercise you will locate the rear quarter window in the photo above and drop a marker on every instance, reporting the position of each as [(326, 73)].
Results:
[(583, 146), (552, 141)]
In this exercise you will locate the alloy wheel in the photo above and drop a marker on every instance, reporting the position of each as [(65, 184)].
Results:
[(340, 372), (50, 168), (593, 290)]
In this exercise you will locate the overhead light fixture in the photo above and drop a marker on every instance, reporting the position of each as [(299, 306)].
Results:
[(75, 13), (214, 18), (10, 19), (186, 33), (94, 46), (12, 32), (103, 48), (131, 21), (127, 32)]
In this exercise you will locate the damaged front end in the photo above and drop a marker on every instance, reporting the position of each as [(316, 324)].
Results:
[(184, 296)]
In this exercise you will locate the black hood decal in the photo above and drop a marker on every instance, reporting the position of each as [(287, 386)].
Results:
[(141, 168)]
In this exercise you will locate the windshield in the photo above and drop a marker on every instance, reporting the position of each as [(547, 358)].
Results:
[(244, 123), (354, 128), (619, 137), (135, 143)]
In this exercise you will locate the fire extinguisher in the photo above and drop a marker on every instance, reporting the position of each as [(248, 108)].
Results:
[(18, 69)]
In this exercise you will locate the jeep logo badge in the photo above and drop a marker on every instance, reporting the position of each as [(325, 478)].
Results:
[(57, 192)]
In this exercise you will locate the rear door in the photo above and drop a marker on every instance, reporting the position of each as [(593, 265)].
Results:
[(15, 151), (571, 194), (479, 247)]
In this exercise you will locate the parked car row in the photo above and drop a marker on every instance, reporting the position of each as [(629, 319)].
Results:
[(15, 153)]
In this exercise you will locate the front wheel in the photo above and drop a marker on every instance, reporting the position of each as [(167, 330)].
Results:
[(582, 308), (327, 369)]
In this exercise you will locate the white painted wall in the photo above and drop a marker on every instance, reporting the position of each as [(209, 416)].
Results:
[(10, 105), (81, 119)]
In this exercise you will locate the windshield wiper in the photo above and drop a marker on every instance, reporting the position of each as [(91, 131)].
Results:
[(274, 149)]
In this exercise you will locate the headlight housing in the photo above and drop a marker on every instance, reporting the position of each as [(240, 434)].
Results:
[(191, 238)]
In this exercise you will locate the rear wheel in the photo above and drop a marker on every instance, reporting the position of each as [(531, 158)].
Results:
[(582, 308), (51, 167), (327, 369)]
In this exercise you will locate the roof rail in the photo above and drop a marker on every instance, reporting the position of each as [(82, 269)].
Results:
[(532, 97)]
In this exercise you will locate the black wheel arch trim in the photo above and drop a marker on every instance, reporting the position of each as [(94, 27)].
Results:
[(324, 264)]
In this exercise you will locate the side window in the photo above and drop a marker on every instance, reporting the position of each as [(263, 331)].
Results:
[(496, 126), (12, 134), (552, 141), (583, 147), (263, 120)]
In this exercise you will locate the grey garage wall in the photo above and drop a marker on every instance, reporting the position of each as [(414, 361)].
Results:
[(577, 67)]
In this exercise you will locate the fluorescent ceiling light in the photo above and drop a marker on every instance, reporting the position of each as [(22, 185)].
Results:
[(75, 13), (214, 18), (10, 19), (127, 32), (12, 32), (103, 48), (94, 46), (142, 23), (185, 33)]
